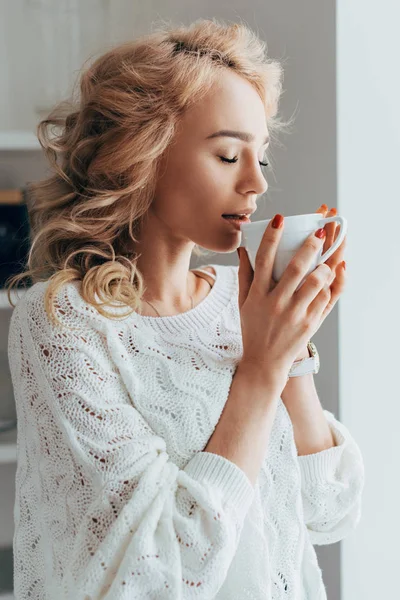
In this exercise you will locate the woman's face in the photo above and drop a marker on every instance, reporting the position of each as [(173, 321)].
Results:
[(196, 186)]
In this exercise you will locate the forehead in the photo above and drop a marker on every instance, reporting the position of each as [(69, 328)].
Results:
[(232, 103)]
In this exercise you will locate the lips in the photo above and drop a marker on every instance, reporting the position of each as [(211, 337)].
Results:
[(236, 217), (236, 222), (243, 211)]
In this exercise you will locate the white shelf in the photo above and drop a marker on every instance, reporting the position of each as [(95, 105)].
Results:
[(19, 140), (15, 295), (8, 448)]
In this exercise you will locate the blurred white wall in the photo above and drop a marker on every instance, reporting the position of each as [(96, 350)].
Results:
[(368, 50)]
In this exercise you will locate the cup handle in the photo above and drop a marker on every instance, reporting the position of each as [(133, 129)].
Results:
[(343, 230)]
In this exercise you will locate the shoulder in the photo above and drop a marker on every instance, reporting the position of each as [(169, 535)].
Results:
[(209, 269), (80, 335), (70, 312), (234, 269)]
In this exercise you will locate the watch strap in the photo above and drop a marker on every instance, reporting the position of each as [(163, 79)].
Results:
[(308, 365)]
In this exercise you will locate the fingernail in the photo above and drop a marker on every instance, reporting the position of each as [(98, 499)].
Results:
[(320, 233), (324, 206), (333, 212), (277, 221)]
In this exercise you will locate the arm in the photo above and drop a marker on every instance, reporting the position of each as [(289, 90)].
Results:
[(243, 431), (310, 426), (330, 462)]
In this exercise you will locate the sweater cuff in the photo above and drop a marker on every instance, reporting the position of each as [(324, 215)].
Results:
[(323, 465), (218, 471)]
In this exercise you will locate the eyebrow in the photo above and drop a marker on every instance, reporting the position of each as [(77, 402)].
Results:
[(240, 135)]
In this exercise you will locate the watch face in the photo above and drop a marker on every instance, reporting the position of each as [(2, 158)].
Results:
[(314, 353), (316, 356)]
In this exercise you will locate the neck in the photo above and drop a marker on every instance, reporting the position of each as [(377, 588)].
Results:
[(157, 307)]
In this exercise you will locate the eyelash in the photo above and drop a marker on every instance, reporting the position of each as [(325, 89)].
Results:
[(233, 160)]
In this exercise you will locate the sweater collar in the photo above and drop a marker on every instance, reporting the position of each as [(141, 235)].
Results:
[(202, 314)]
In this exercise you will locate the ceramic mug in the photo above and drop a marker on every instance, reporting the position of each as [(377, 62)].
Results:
[(296, 229)]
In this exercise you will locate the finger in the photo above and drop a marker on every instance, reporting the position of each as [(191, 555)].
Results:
[(295, 277), (337, 233), (333, 231), (323, 209), (265, 257), (333, 270), (330, 229), (272, 287), (317, 307), (308, 296), (338, 255), (245, 275), (336, 288), (344, 242)]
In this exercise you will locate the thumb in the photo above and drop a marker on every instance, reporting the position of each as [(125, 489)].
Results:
[(246, 275)]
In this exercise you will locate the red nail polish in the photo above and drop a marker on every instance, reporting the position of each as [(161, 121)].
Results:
[(320, 233), (277, 221)]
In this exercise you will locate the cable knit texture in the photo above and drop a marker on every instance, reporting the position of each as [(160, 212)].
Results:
[(116, 498)]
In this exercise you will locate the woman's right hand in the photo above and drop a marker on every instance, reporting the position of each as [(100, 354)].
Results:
[(277, 323)]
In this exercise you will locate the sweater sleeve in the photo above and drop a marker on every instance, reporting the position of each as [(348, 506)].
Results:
[(138, 525), (332, 483)]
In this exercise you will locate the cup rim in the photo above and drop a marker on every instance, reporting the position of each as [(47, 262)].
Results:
[(293, 217), (287, 219)]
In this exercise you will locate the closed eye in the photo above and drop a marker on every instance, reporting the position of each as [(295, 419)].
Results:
[(233, 160)]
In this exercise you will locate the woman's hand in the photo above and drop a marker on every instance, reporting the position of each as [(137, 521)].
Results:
[(335, 262)]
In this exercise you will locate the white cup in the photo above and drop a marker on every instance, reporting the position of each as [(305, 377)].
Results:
[(296, 229)]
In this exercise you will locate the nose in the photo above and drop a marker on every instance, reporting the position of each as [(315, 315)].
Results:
[(263, 186), (254, 181)]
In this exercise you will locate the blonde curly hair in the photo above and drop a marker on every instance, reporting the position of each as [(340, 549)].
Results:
[(106, 146)]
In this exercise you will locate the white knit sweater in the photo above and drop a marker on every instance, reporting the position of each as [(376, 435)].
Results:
[(116, 498)]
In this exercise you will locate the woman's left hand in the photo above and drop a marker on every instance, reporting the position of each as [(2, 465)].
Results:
[(337, 282), (335, 261)]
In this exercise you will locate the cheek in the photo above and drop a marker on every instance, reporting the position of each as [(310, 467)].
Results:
[(214, 176), (203, 178), (194, 183)]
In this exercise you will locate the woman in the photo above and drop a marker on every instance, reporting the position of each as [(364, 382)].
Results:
[(156, 458)]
